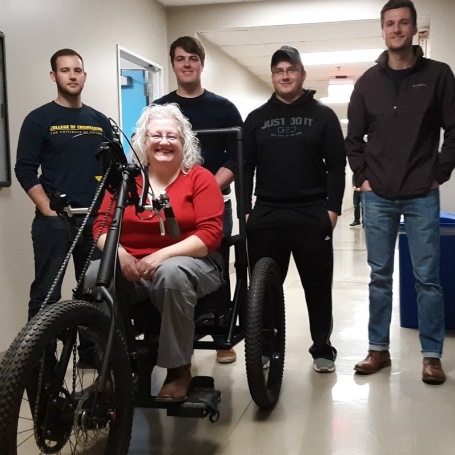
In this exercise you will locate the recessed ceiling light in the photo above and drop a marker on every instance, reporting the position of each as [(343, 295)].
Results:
[(330, 58), (339, 90)]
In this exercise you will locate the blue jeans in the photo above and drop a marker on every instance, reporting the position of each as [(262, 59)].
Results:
[(382, 218), (356, 199)]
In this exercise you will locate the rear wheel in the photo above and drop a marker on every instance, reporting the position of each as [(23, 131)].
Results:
[(50, 398), (265, 334)]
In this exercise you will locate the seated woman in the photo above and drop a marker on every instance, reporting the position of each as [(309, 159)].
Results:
[(173, 273)]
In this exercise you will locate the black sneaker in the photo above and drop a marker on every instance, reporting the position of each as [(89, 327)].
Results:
[(355, 223)]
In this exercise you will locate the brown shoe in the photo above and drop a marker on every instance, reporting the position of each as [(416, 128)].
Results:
[(375, 360), (175, 387), (432, 372), (227, 356)]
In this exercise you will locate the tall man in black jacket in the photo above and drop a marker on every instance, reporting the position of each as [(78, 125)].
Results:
[(401, 104), (294, 144)]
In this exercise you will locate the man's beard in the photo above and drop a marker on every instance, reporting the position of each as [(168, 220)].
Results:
[(73, 93)]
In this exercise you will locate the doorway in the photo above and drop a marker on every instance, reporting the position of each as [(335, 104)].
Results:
[(140, 81)]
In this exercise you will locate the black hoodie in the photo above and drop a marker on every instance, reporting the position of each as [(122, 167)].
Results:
[(298, 154)]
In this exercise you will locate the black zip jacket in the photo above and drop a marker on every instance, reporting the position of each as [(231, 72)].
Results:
[(400, 156), (297, 152)]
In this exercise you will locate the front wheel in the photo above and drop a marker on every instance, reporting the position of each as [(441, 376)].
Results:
[(50, 398), (265, 334)]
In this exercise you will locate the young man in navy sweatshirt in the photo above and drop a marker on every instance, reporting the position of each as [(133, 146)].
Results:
[(60, 139), (206, 110)]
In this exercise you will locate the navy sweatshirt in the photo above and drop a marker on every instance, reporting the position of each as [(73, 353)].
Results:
[(209, 111), (62, 142)]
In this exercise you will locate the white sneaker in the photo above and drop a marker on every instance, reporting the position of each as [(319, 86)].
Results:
[(321, 365)]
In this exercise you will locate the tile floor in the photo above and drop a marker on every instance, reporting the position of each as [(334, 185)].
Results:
[(390, 413)]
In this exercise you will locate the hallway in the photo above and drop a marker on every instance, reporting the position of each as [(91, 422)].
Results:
[(390, 413)]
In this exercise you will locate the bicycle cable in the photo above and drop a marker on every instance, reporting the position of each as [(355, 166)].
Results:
[(76, 239)]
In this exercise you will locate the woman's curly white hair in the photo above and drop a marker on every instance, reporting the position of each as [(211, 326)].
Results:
[(191, 148)]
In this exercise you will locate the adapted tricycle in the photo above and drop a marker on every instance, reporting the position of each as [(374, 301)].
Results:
[(51, 402)]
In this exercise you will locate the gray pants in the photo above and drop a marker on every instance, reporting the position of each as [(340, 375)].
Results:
[(174, 290)]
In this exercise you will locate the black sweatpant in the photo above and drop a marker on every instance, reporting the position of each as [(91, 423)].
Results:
[(306, 232)]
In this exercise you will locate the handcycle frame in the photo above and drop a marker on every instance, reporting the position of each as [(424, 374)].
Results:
[(216, 313), (255, 314)]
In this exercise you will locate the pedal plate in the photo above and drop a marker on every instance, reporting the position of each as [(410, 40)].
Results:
[(202, 400)]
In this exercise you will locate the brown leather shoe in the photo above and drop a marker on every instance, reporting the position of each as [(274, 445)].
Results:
[(374, 361), (432, 372), (175, 387), (226, 356)]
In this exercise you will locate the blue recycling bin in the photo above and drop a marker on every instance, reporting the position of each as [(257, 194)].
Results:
[(408, 295)]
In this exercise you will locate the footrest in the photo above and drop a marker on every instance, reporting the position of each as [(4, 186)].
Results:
[(202, 400)]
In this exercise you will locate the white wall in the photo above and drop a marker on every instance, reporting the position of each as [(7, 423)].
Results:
[(442, 36), (34, 30), (187, 20)]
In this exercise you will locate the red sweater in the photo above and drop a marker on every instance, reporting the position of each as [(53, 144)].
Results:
[(198, 208)]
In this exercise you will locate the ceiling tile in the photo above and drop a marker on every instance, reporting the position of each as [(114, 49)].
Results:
[(338, 44), (253, 48), (319, 32), (247, 50), (255, 61), (202, 2), (232, 37)]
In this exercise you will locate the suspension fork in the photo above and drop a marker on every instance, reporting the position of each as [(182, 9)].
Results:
[(108, 264)]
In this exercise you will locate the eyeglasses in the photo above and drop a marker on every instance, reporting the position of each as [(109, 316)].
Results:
[(158, 138), (281, 71)]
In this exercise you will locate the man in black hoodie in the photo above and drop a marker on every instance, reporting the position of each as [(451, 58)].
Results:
[(294, 144), (401, 104)]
